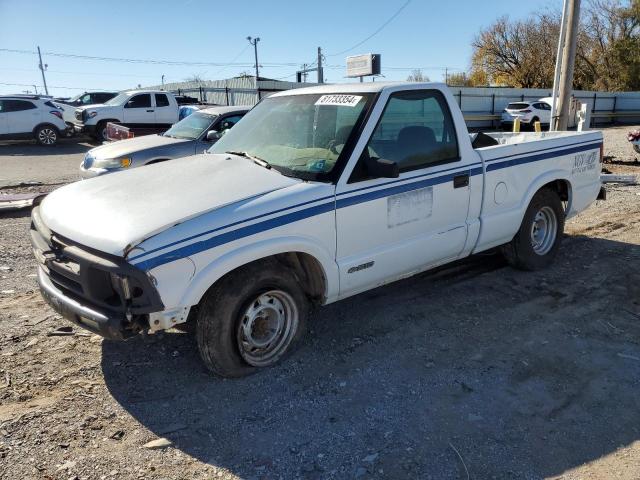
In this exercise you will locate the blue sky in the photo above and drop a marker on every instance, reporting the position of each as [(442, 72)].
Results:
[(428, 34)]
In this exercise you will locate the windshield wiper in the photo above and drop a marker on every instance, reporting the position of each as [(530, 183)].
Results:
[(256, 160)]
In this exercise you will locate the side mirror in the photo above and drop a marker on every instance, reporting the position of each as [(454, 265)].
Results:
[(381, 168), (213, 135)]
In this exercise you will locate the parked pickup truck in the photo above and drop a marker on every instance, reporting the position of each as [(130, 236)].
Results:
[(152, 110), (191, 135), (316, 195)]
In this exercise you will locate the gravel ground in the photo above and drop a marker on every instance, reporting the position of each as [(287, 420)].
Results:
[(474, 367), (26, 162)]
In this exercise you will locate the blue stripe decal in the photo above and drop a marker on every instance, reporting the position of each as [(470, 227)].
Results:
[(544, 150), (463, 167), (227, 226), (542, 156), (344, 202), (227, 237), (405, 187)]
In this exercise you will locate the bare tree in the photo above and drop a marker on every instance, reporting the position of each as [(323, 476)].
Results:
[(522, 53), (417, 76), (194, 78)]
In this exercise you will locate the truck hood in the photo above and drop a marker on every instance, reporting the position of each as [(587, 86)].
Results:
[(113, 213), (126, 147), (94, 106)]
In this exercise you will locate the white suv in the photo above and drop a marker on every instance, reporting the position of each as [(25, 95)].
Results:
[(31, 116), (528, 112)]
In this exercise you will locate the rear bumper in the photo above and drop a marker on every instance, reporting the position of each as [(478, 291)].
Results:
[(101, 323)]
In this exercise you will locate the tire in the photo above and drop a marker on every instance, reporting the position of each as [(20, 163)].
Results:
[(536, 244), (47, 135), (101, 132), (263, 294)]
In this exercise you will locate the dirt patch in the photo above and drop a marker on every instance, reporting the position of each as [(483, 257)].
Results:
[(524, 375)]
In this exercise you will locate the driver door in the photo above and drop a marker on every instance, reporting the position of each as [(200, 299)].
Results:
[(139, 110), (388, 228)]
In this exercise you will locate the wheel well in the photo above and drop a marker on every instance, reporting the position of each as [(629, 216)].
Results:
[(112, 120), (562, 188), (309, 271), (46, 124), (307, 268)]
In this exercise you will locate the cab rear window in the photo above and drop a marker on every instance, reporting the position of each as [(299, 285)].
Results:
[(517, 106)]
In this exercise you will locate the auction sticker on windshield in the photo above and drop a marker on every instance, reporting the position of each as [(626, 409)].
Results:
[(339, 100)]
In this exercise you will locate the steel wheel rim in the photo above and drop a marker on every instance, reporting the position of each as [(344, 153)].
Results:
[(544, 230), (47, 136), (104, 133), (267, 327)]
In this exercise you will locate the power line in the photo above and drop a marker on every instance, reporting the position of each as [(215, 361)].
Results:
[(146, 61), (97, 74), (231, 62), (374, 33), (52, 86)]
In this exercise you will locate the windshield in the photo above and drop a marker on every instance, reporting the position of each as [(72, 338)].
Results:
[(118, 99), (298, 135), (191, 127), (517, 106), (76, 98)]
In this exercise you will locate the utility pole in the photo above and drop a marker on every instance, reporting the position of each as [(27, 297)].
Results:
[(42, 69), (556, 77), (568, 63), (320, 73), (446, 76), (254, 42), (163, 81)]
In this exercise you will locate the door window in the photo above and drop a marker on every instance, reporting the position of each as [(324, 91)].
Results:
[(161, 100), (17, 105), (229, 122), (139, 101), (415, 131), (103, 97)]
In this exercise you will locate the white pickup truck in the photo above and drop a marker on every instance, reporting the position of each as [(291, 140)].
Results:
[(151, 110), (316, 195)]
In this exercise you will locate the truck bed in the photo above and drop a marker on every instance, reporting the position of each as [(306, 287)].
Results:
[(513, 144)]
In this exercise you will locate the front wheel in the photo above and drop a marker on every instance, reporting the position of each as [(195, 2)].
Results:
[(101, 132), (538, 239), (47, 135), (251, 319)]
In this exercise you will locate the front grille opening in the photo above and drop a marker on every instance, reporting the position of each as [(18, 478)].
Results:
[(101, 288), (65, 283)]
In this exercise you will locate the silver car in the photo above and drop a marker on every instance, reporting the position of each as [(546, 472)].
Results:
[(191, 135)]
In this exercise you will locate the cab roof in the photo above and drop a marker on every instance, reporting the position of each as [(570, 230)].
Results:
[(221, 110), (369, 87)]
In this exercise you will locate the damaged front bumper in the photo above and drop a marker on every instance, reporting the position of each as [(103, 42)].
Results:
[(100, 292), (105, 324)]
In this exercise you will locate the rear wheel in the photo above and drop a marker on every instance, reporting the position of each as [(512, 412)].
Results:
[(538, 239), (47, 135), (251, 319)]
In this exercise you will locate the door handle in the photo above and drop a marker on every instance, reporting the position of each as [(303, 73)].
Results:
[(460, 181), (149, 110)]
